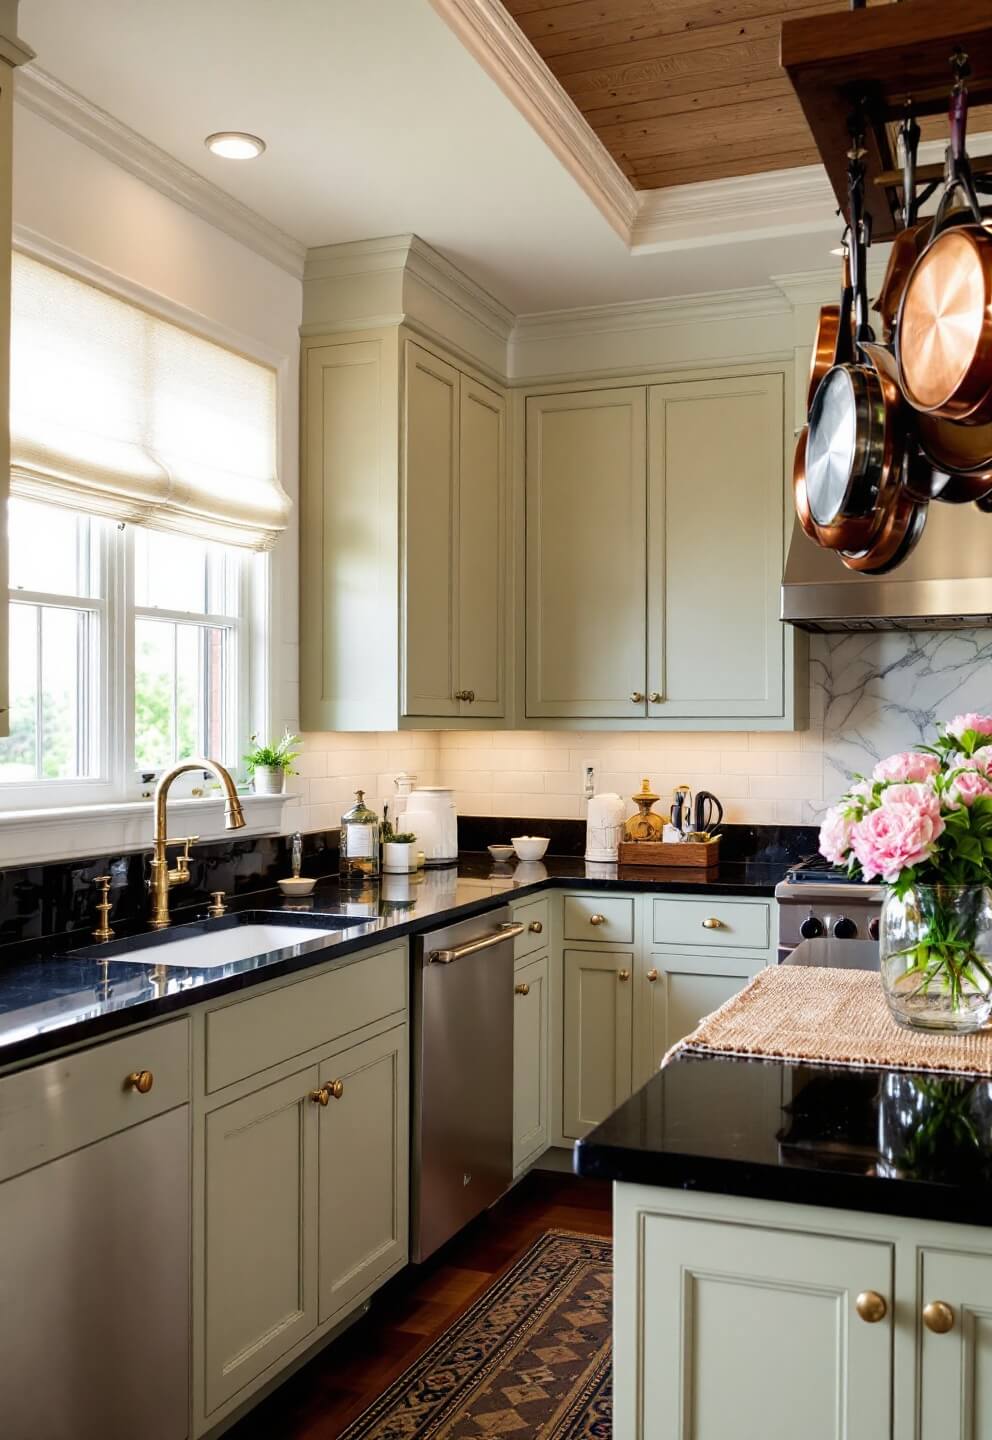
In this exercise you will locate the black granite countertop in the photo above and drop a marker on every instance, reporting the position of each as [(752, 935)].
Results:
[(891, 1142), (62, 992)]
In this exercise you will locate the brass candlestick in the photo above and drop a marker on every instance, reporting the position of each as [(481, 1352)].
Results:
[(104, 907)]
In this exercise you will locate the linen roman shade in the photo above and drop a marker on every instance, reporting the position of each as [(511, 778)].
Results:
[(120, 413)]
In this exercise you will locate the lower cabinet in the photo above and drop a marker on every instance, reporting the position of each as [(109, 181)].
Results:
[(531, 1061), (675, 991), (598, 1038), (306, 1200), (955, 1362)]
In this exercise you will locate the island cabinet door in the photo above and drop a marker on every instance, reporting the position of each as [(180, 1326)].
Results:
[(364, 1168), (725, 1330), (598, 1036), (956, 1362), (261, 1232)]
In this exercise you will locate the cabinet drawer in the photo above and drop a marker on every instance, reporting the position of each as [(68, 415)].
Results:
[(712, 922), (251, 1035), (60, 1106), (600, 918), (535, 916)]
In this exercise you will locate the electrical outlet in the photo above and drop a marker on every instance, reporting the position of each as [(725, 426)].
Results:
[(588, 778)]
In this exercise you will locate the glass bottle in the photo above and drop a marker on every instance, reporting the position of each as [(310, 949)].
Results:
[(359, 855)]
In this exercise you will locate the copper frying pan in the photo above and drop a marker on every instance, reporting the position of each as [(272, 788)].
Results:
[(828, 347), (846, 532)]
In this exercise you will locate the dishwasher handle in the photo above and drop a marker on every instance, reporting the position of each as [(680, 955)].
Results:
[(472, 947)]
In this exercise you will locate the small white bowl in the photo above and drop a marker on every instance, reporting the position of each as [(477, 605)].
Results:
[(530, 847), (501, 853), (297, 886)]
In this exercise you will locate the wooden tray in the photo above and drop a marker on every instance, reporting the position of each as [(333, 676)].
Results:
[(688, 856)]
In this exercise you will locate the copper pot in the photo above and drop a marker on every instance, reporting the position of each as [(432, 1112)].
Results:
[(906, 249), (846, 532), (928, 476), (944, 335), (834, 336)]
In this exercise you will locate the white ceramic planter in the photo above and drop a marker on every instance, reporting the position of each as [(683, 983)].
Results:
[(399, 858), (268, 780)]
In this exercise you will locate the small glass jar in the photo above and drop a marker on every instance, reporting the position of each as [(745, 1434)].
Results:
[(359, 853), (935, 950)]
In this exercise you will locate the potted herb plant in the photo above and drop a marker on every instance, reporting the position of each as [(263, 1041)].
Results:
[(268, 765), (922, 824), (398, 854)]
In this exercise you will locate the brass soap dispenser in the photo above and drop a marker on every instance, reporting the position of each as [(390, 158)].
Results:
[(645, 825)]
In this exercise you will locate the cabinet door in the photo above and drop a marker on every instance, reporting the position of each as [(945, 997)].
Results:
[(598, 1036), (364, 1168), (430, 508), (261, 1232), (676, 991), (94, 1290), (481, 559), (586, 554), (531, 1070), (716, 540), (733, 1330), (6, 160), (956, 1367)]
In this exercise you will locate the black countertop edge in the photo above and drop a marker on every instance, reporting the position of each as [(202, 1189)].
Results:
[(53, 997)]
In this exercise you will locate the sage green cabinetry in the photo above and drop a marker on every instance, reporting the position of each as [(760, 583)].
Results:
[(598, 1035), (403, 563), (653, 555), (955, 1367), (533, 1006)]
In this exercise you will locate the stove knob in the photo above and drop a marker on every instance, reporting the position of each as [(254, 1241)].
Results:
[(845, 929), (873, 928), (811, 927)]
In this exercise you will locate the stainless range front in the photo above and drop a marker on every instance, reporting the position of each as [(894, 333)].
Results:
[(816, 900)]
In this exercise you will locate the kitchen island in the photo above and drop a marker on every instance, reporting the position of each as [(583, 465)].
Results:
[(800, 1249)]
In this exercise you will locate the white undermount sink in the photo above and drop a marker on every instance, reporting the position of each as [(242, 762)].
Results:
[(206, 951)]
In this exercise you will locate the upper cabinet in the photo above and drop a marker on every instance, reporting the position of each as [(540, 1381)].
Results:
[(403, 537), (654, 547)]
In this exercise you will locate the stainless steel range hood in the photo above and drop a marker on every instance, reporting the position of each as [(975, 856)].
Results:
[(946, 584)]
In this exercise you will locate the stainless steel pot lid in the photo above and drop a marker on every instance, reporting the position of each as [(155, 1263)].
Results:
[(844, 444)]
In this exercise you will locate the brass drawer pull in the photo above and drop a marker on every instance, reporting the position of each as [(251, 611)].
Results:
[(623, 975), (140, 1080), (597, 919), (535, 927), (712, 923), (938, 1316), (871, 1307), (522, 989), (652, 976)]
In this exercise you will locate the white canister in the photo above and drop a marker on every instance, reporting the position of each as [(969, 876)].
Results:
[(438, 835), (604, 827)]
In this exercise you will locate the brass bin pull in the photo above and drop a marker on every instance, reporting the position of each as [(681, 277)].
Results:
[(535, 927), (871, 1307), (522, 989), (140, 1080), (938, 1316), (623, 975), (652, 976), (472, 947), (712, 923), (597, 919)]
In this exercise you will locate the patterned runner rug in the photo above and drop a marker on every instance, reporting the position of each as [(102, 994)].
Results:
[(531, 1357)]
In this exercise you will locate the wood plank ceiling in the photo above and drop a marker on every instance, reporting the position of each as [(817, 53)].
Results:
[(678, 90)]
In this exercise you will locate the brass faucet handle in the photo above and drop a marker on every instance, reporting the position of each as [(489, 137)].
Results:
[(103, 908)]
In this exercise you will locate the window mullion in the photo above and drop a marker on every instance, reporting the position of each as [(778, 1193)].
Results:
[(39, 663)]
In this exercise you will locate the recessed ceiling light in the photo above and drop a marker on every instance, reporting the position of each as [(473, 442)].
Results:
[(235, 145)]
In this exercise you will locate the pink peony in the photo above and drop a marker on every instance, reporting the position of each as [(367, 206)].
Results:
[(981, 724), (901, 832), (908, 765), (965, 788), (835, 835), (981, 760)]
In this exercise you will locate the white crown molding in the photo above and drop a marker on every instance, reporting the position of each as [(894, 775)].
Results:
[(746, 304), (458, 289), (46, 96), (818, 287), (742, 207), (504, 52)]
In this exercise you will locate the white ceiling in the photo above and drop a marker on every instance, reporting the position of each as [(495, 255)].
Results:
[(378, 122)]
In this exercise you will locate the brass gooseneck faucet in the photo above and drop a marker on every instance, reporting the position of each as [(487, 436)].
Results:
[(162, 879)]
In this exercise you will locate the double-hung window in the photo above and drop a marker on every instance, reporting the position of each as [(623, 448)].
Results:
[(144, 496)]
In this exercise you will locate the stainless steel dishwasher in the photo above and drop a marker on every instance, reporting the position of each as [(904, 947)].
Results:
[(462, 1075)]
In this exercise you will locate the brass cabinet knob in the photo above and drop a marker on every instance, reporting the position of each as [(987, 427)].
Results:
[(623, 975), (938, 1316), (218, 907), (140, 1080), (535, 927), (712, 923), (335, 1088), (522, 989), (871, 1307), (468, 695), (637, 696), (652, 976), (597, 919), (655, 697), (320, 1097)]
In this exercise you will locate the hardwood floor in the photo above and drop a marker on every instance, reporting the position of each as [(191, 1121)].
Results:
[(320, 1400)]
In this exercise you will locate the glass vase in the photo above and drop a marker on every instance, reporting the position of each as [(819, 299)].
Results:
[(935, 945)]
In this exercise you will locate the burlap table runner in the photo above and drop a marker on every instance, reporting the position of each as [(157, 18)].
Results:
[(832, 1017)]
